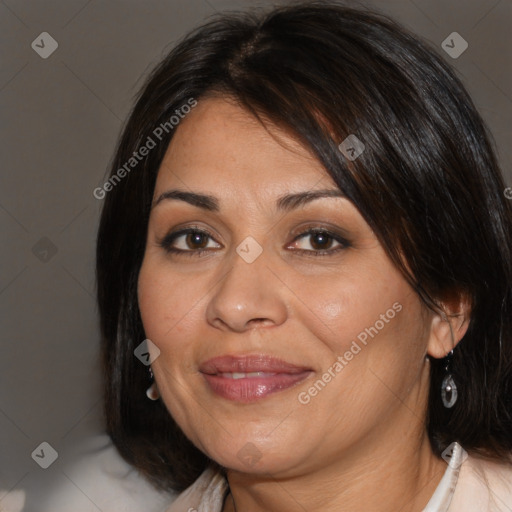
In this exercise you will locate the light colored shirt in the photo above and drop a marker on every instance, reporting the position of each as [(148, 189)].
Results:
[(469, 484)]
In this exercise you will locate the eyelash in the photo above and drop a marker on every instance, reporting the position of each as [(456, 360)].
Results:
[(167, 240)]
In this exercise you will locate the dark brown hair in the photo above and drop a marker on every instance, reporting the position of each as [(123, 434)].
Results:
[(428, 184)]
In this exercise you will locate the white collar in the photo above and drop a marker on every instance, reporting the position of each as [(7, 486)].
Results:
[(442, 497)]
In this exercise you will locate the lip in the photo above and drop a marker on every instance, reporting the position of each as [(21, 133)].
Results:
[(267, 375), (249, 363)]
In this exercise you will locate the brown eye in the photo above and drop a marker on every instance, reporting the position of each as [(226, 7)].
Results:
[(318, 242), (321, 240), (196, 240), (188, 241)]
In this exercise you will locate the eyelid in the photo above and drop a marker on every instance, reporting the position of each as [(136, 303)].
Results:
[(335, 231)]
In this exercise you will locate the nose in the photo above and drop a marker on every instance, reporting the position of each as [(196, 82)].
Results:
[(248, 296)]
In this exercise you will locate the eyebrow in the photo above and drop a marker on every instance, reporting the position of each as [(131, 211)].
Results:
[(210, 203)]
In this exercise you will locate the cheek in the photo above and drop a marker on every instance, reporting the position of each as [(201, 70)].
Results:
[(342, 307), (373, 320), (372, 341), (166, 305)]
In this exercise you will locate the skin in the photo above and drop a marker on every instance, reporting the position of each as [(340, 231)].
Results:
[(360, 444)]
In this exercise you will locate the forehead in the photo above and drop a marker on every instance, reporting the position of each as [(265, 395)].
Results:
[(219, 143)]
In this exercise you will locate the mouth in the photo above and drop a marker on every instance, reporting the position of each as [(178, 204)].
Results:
[(250, 378)]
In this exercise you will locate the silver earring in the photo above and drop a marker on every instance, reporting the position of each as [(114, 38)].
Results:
[(448, 388), (152, 392)]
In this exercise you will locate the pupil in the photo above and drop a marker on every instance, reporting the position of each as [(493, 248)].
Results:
[(320, 239), (197, 239)]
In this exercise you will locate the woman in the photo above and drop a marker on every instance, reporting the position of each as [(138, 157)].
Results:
[(305, 242)]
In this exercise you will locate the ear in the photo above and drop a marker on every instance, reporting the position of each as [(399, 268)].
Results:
[(449, 325)]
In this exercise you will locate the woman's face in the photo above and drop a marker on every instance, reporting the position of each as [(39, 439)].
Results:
[(280, 350)]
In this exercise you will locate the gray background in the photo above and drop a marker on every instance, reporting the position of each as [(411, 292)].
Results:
[(61, 117)]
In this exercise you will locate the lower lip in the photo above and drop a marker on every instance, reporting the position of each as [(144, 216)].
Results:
[(251, 389)]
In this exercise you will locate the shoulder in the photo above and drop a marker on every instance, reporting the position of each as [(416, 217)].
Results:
[(206, 494), (483, 486)]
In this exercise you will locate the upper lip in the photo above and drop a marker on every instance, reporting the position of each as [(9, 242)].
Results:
[(249, 363)]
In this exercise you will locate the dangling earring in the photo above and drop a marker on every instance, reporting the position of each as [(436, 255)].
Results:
[(448, 388), (152, 392)]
